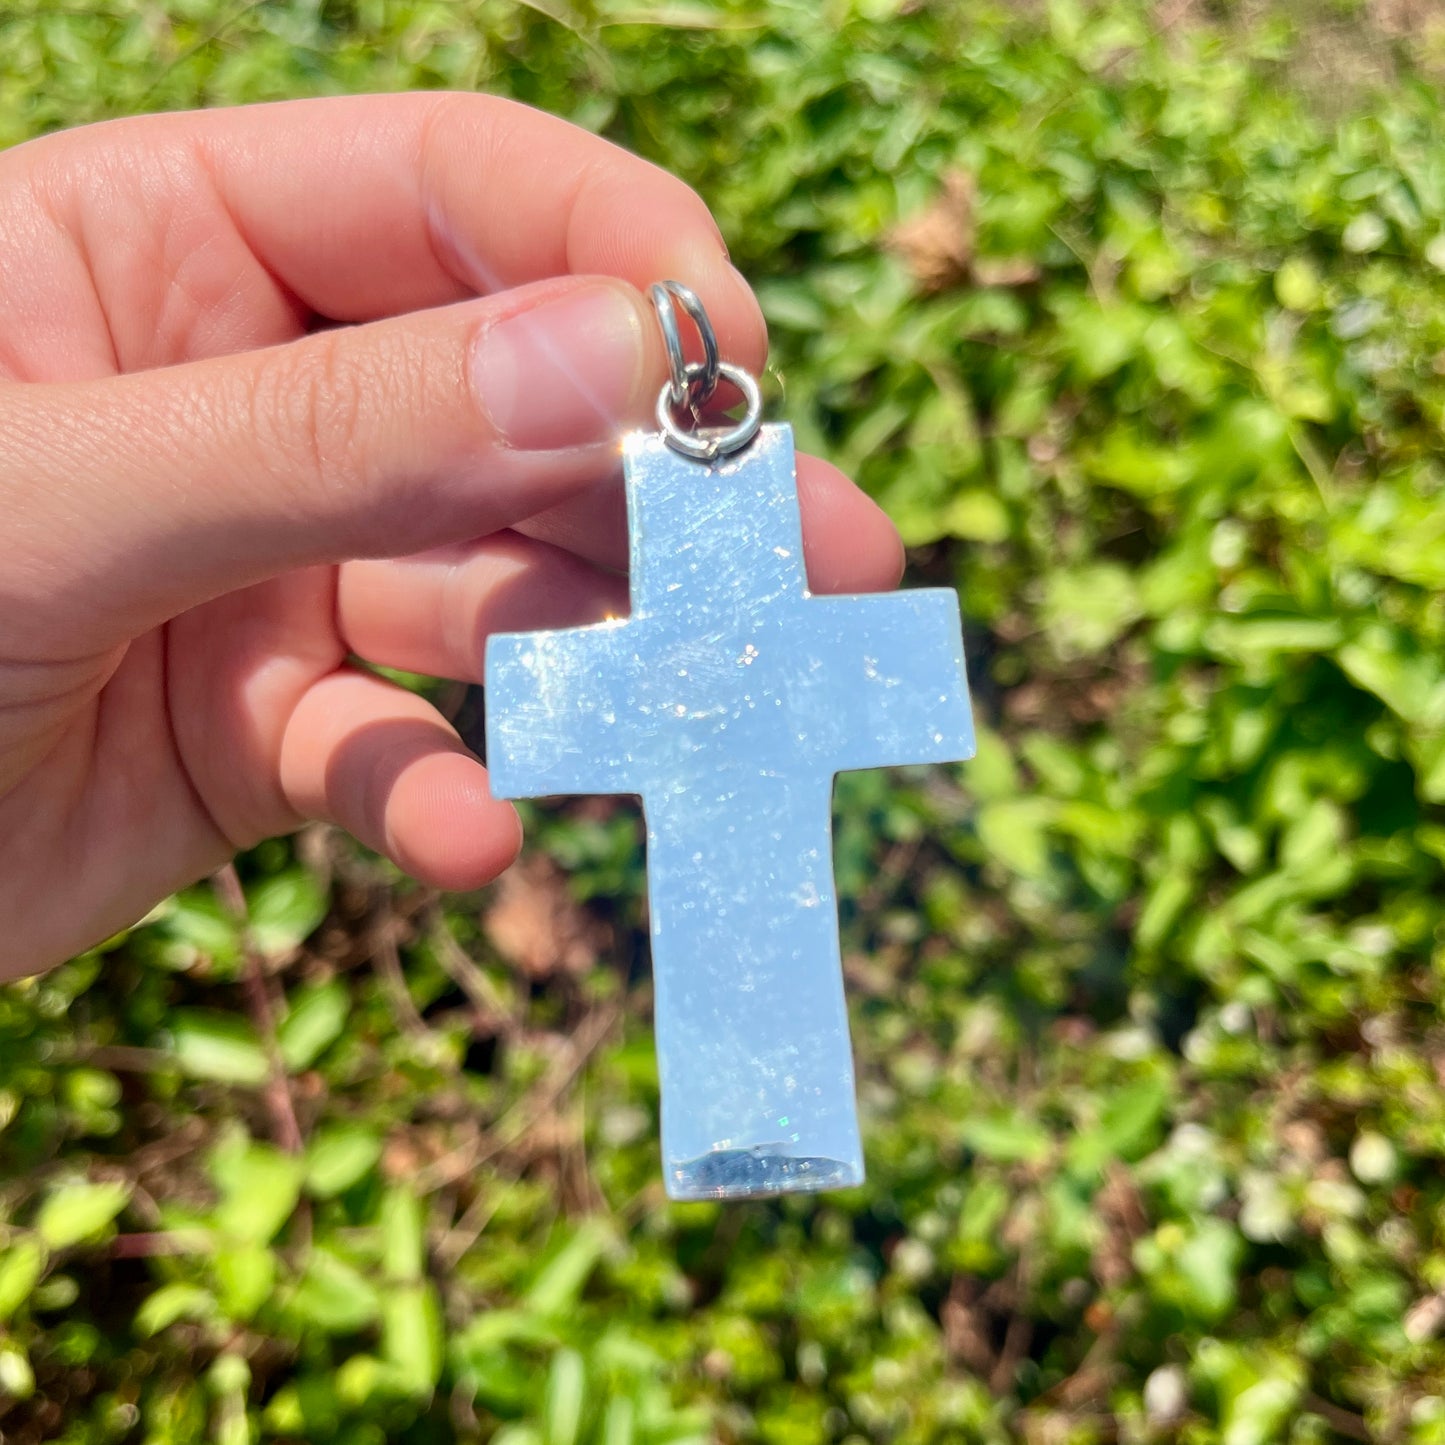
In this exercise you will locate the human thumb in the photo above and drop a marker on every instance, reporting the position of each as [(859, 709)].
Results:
[(134, 497)]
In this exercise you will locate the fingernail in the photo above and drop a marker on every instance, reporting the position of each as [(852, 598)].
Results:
[(562, 374)]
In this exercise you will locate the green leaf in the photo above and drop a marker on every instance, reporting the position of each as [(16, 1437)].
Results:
[(22, 1263), (1260, 635), (505, 1382), (559, 1284), (403, 1237), (1123, 459), (219, 1047), (792, 305), (618, 1422), (333, 1295), (1128, 1127), (229, 1379), (1007, 1136), (411, 1335), (1163, 905), (976, 516), (245, 1276), (284, 910), (260, 1186), (1297, 284), (1314, 838), (363, 1379), (80, 1211), (992, 775), (1015, 832), (172, 1302), (17, 1378), (1193, 1269), (1100, 339), (1087, 608), (1257, 1389), (566, 1387), (339, 1157), (1427, 756), (315, 1021), (284, 1413), (518, 1435), (196, 926), (1366, 232), (1410, 681)]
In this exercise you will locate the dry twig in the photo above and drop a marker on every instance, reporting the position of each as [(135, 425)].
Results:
[(261, 1005), (528, 1111)]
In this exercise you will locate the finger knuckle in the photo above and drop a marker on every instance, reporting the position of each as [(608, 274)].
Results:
[(309, 406)]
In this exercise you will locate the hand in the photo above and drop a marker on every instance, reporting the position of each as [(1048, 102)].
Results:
[(202, 473)]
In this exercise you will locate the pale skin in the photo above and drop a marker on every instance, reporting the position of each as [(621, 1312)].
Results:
[(291, 389)]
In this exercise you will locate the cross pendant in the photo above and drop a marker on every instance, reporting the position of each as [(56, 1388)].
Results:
[(728, 700)]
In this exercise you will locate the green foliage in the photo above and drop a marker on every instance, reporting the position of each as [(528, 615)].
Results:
[(1146, 997)]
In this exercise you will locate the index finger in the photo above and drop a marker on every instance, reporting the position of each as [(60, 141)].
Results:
[(370, 206)]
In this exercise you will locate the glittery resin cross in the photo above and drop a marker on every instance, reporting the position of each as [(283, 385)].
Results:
[(728, 700)]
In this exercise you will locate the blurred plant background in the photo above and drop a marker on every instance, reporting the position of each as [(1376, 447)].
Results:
[(1134, 317)]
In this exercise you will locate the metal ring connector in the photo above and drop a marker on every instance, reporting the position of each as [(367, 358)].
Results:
[(709, 443), (690, 383)]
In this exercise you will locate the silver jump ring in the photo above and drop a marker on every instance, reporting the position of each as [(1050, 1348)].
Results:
[(709, 443), (684, 376)]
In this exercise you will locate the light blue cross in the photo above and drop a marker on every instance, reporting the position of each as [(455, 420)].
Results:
[(728, 700)]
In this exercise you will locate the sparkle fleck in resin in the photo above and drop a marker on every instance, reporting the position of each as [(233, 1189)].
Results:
[(728, 700)]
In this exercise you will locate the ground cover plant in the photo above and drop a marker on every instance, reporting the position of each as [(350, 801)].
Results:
[(1135, 319)]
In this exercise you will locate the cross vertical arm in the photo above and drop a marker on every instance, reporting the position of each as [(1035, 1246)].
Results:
[(753, 1052)]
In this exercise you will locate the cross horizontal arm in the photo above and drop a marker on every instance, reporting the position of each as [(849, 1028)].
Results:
[(890, 688), (565, 692)]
